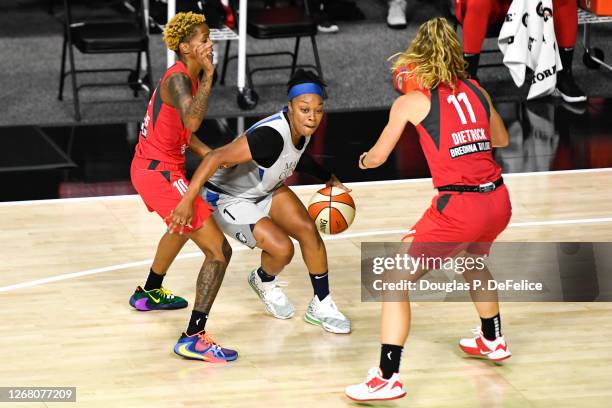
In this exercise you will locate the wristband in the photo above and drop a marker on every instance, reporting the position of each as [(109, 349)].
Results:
[(362, 160)]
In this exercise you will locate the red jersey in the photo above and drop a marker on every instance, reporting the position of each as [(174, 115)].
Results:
[(162, 134), (455, 136)]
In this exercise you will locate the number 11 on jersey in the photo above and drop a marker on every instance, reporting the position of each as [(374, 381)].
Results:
[(462, 97)]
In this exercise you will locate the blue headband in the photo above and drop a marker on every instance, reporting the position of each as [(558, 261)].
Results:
[(305, 88)]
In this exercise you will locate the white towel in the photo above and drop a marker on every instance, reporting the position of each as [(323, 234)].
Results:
[(527, 39)]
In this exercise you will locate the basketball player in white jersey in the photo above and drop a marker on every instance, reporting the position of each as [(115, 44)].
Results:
[(253, 205)]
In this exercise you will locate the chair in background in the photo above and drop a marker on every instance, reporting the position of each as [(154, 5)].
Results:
[(284, 21), (106, 36)]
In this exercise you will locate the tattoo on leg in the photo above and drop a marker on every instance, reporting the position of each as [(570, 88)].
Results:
[(208, 284)]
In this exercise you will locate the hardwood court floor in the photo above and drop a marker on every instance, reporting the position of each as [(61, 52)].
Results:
[(80, 331)]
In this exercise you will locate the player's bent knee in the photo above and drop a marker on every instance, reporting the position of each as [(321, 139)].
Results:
[(218, 252), (226, 248), (285, 251), (281, 249)]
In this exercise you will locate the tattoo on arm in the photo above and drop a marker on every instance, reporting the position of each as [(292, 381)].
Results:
[(190, 107), (199, 106), (179, 91)]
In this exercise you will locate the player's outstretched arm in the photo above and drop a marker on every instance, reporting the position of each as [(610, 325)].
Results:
[(229, 155), (412, 107)]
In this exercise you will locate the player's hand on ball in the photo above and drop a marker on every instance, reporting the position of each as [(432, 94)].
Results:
[(180, 218), (332, 209), (334, 182)]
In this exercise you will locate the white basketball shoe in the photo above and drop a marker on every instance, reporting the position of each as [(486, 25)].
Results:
[(325, 313), (271, 293), (376, 388), (479, 346), (396, 14)]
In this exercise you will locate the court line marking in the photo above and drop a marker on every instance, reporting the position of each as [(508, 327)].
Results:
[(297, 188), (127, 265)]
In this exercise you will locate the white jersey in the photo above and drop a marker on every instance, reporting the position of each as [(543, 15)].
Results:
[(251, 181)]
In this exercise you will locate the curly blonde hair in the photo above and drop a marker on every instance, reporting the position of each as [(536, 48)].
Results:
[(180, 28), (434, 56)]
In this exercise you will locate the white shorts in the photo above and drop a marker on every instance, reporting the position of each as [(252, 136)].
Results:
[(237, 216)]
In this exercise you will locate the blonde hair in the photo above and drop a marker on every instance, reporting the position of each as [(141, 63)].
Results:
[(434, 56), (180, 28)]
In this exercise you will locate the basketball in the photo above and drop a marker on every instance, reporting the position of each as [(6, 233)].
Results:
[(332, 210), (403, 82)]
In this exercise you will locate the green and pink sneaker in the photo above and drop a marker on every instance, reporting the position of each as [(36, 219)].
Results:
[(156, 299)]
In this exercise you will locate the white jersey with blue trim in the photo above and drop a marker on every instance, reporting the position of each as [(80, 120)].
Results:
[(251, 181)]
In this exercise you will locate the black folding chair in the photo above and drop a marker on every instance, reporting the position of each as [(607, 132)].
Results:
[(106, 36), (285, 21)]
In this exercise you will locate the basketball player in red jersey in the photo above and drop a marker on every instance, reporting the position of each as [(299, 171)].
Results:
[(457, 126), (176, 109)]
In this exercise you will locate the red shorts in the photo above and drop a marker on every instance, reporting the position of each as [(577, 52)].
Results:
[(461, 221), (162, 188)]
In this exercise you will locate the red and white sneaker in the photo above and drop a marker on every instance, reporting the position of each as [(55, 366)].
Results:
[(496, 350), (376, 388)]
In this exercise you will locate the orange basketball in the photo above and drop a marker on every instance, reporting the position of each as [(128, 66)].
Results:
[(403, 82), (332, 210)]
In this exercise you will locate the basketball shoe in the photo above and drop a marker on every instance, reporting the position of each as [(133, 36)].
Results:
[(325, 313), (156, 299), (496, 350), (201, 346), (275, 300), (396, 14), (376, 388)]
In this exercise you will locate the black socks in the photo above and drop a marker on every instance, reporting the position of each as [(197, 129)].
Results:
[(197, 322), (390, 356), (320, 285), (567, 56), (491, 328), (154, 281), (264, 276)]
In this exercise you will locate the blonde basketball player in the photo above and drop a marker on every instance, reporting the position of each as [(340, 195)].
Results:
[(457, 126), (253, 205)]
